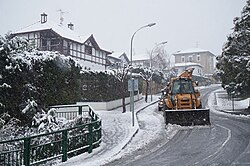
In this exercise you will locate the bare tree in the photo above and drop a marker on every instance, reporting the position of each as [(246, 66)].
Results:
[(160, 58), (146, 75), (121, 75)]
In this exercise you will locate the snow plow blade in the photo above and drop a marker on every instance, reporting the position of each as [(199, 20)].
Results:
[(188, 117)]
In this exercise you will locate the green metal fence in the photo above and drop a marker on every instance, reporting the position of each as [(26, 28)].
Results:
[(59, 144)]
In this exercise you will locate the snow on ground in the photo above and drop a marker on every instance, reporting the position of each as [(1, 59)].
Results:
[(121, 138), (205, 87), (118, 132), (221, 105), (151, 126), (224, 102)]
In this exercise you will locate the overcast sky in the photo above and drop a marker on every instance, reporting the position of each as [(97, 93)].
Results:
[(183, 23)]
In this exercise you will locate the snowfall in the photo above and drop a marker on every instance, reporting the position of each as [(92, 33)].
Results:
[(121, 138)]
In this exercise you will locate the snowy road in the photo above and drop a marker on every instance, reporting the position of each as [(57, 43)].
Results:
[(225, 142)]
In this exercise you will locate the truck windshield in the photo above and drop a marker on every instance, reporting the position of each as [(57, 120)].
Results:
[(182, 86)]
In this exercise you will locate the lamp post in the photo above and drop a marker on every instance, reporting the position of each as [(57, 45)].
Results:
[(151, 58), (131, 79)]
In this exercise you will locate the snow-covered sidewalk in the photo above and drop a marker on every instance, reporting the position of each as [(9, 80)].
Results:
[(117, 133), (223, 104)]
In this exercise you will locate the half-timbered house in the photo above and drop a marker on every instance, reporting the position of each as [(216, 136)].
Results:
[(49, 36)]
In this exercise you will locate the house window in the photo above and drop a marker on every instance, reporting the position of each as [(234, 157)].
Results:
[(198, 58), (88, 49), (190, 58), (182, 58)]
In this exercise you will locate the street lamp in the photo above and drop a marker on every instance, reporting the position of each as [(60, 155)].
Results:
[(131, 43), (151, 58), (132, 81)]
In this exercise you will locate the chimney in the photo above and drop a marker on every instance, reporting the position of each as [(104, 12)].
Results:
[(43, 18), (71, 26)]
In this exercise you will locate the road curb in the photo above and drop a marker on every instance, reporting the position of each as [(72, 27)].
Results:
[(246, 113), (138, 127), (139, 110)]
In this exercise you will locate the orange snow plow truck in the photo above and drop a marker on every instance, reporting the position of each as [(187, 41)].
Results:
[(182, 104)]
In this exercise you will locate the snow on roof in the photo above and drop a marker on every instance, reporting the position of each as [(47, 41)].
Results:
[(117, 54), (190, 50), (140, 57), (61, 30), (187, 64)]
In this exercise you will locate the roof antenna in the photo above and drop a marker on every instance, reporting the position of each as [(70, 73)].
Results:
[(61, 16)]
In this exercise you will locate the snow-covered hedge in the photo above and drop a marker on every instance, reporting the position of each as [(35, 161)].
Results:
[(48, 78), (27, 74)]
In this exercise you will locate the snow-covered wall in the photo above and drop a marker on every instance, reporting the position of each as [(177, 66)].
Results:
[(97, 106)]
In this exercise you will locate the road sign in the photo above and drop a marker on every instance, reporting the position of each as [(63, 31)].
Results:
[(133, 85)]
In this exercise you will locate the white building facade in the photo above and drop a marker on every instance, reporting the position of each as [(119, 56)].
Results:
[(48, 36), (180, 67), (200, 57)]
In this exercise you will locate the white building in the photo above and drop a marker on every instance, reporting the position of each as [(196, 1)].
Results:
[(199, 56), (157, 62), (141, 60), (49, 36), (180, 67)]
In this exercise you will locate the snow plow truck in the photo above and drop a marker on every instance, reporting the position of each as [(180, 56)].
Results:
[(181, 102)]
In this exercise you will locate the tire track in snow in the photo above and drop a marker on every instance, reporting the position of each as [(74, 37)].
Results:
[(229, 135)]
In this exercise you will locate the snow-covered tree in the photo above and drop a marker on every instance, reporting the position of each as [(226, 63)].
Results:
[(27, 74), (234, 63), (121, 74), (160, 57), (148, 75), (11, 71)]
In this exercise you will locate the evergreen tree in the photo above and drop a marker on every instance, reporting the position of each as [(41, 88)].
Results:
[(48, 78), (234, 63), (11, 73)]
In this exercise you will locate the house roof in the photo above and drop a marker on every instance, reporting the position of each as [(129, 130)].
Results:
[(60, 30), (190, 50), (116, 54), (140, 57), (112, 57)]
